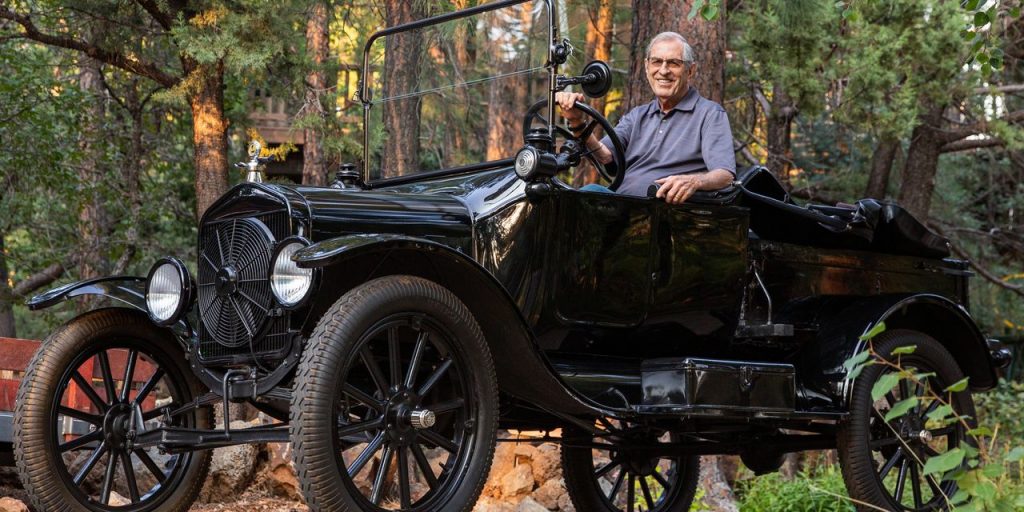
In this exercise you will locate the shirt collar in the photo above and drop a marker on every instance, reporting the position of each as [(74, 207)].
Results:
[(687, 104)]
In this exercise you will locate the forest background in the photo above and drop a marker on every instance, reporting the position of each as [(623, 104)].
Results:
[(118, 119)]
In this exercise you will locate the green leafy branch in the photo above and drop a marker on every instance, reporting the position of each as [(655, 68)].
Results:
[(709, 9)]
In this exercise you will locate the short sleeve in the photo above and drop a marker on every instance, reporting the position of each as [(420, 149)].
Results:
[(716, 141), (624, 128)]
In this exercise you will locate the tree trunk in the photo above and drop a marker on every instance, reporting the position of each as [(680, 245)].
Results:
[(92, 214), (881, 167), (918, 180), (708, 41), (401, 75), (780, 122), (209, 133), (130, 176), (600, 30), (7, 326), (317, 37), (718, 493), (650, 17)]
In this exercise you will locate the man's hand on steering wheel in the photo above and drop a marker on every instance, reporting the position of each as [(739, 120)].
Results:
[(567, 103)]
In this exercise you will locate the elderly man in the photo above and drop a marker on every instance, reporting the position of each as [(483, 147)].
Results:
[(679, 141)]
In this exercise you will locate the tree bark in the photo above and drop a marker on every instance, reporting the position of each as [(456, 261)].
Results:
[(8, 328), (881, 167), (780, 115), (130, 175), (650, 17), (209, 133), (600, 30), (93, 218), (918, 180), (317, 37), (708, 41), (401, 75)]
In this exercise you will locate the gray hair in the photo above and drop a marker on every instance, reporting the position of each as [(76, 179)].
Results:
[(672, 36)]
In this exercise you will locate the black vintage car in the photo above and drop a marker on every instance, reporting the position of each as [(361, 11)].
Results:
[(393, 322)]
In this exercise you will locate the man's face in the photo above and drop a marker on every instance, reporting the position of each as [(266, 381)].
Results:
[(668, 75)]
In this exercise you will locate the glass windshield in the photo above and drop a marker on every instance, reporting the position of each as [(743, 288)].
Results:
[(454, 93)]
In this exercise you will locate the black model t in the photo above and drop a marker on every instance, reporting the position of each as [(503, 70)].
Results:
[(393, 322)]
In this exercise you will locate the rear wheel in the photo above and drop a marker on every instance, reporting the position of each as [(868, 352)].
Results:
[(90, 385), (883, 462), (395, 403), (603, 474)]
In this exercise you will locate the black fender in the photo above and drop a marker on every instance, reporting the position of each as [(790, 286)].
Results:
[(821, 365), (129, 290), (348, 261)]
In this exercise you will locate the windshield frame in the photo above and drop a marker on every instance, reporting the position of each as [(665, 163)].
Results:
[(363, 93)]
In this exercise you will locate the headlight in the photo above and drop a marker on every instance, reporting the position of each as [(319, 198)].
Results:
[(290, 283), (526, 162), (168, 291)]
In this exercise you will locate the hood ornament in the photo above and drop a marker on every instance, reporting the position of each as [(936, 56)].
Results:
[(256, 163)]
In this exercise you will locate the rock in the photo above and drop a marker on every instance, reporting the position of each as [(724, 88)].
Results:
[(504, 462), (518, 481), (718, 494), (279, 474), (565, 503), (530, 505), (549, 492), (524, 452), (547, 463), (486, 504), (116, 500), (12, 505), (231, 470)]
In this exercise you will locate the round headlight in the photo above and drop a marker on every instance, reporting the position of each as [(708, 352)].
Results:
[(290, 283), (168, 291), (526, 162)]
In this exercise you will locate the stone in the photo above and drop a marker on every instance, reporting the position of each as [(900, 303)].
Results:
[(232, 470), (278, 475), (565, 503), (491, 505), (116, 500), (549, 492), (530, 505), (547, 463), (12, 505), (517, 482), (524, 452), (503, 463)]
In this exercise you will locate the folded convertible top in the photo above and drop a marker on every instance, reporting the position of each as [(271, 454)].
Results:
[(868, 225)]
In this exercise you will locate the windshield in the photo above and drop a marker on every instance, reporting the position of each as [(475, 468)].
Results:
[(453, 93)]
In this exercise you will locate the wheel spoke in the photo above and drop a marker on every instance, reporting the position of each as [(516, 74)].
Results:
[(647, 493), (661, 480), (394, 356), (362, 426), (448, 406), (381, 478), (603, 470), (901, 481), (943, 432), (129, 477), (891, 463), (404, 494), (417, 356), (424, 465), (364, 457), (439, 440), (883, 442), (375, 372), (108, 479), (108, 378), (149, 386), (631, 493), (617, 485), (90, 463), (363, 397), (129, 374), (915, 485), (90, 392), (73, 444), (93, 419), (935, 487), (150, 465), (436, 376)]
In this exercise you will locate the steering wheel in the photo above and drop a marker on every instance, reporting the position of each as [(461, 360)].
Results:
[(596, 119)]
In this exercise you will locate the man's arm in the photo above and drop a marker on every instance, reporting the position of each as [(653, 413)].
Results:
[(575, 117), (678, 188)]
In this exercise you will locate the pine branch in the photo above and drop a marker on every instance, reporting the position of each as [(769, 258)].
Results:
[(982, 126), (150, 6), (130, 64), (969, 144), (38, 280), (985, 273), (999, 88)]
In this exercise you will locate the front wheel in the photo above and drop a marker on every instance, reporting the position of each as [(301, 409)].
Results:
[(605, 472), (395, 402), (883, 461), (89, 388)]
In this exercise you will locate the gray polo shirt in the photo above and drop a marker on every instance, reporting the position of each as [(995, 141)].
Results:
[(694, 136)]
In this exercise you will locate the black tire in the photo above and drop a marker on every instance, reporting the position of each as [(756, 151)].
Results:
[(362, 379), (651, 484), (56, 402), (870, 449)]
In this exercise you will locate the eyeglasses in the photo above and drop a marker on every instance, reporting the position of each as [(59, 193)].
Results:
[(673, 64)]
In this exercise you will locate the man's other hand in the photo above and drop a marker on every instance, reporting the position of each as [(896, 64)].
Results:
[(566, 102), (678, 188)]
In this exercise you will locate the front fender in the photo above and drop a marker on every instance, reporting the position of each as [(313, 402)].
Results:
[(130, 290), (839, 339)]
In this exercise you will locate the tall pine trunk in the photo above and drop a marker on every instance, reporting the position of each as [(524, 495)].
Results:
[(650, 17), (92, 214), (7, 326), (881, 167), (708, 41), (781, 113), (918, 180), (209, 133), (317, 37), (401, 75)]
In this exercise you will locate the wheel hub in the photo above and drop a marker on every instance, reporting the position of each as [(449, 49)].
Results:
[(405, 416), (117, 424)]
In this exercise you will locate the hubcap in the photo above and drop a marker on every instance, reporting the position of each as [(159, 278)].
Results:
[(422, 418)]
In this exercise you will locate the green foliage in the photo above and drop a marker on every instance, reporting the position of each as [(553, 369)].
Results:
[(821, 491)]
